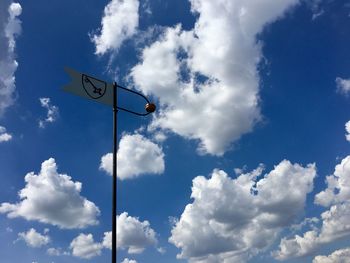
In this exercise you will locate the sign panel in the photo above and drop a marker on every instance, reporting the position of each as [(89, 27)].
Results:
[(89, 87)]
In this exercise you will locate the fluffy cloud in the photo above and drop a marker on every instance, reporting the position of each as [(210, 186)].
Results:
[(84, 246), (343, 85), (4, 136), (52, 112), (206, 79), (347, 128), (33, 238), (231, 220), (136, 156), (119, 22), (334, 221), (132, 234), (10, 28), (338, 256), (126, 260), (62, 206), (334, 226), (338, 185)]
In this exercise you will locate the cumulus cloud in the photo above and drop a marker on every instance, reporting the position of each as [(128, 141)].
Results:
[(231, 220), (33, 238), (347, 128), (338, 185), (4, 136), (10, 28), (84, 246), (52, 112), (334, 221), (334, 226), (136, 156), (119, 22), (62, 204), (132, 234), (343, 85), (338, 256), (207, 80)]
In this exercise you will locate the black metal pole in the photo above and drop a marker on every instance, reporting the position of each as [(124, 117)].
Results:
[(114, 201)]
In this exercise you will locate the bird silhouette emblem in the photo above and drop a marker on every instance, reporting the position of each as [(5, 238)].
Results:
[(93, 87)]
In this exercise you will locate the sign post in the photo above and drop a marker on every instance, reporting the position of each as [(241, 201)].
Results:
[(90, 87)]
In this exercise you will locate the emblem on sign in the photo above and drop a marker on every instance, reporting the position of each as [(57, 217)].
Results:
[(93, 87)]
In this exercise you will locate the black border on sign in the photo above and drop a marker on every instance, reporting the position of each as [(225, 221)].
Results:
[(89, 77)]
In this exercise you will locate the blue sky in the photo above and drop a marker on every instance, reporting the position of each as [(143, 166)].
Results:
[(246, 159)]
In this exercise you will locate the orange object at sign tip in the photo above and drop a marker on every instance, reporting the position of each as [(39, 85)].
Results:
[(150, 107)]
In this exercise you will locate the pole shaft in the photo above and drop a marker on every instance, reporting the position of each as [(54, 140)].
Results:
[(114, 201)]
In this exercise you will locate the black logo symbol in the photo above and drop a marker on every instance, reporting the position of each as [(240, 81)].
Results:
[(93, 87)]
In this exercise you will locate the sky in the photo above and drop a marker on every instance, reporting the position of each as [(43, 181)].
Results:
[(245, 160)]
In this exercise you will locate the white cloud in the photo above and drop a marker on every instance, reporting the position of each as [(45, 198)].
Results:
[(126, 260), (334, 221), (4, 136), (62, 204), (297, 246), (347, 128), (119, 22), (136, 156), (343, 85), (231, 220), (338, 185), (33, 238), (334, 226), (338, 256), (52, 112), (84, 246), (132, 234), (206, 79), (10, 28)]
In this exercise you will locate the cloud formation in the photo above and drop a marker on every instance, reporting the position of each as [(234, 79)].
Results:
[(84, 246), (136, 156), (63, 206), (119, 22), (207, 80), (338, 256), (231, 220), (132, 234), (347, 129), (334, 221), (4, 136), (52, 112), (343, 85), (33, 238), (10, 29), (338, 185)]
